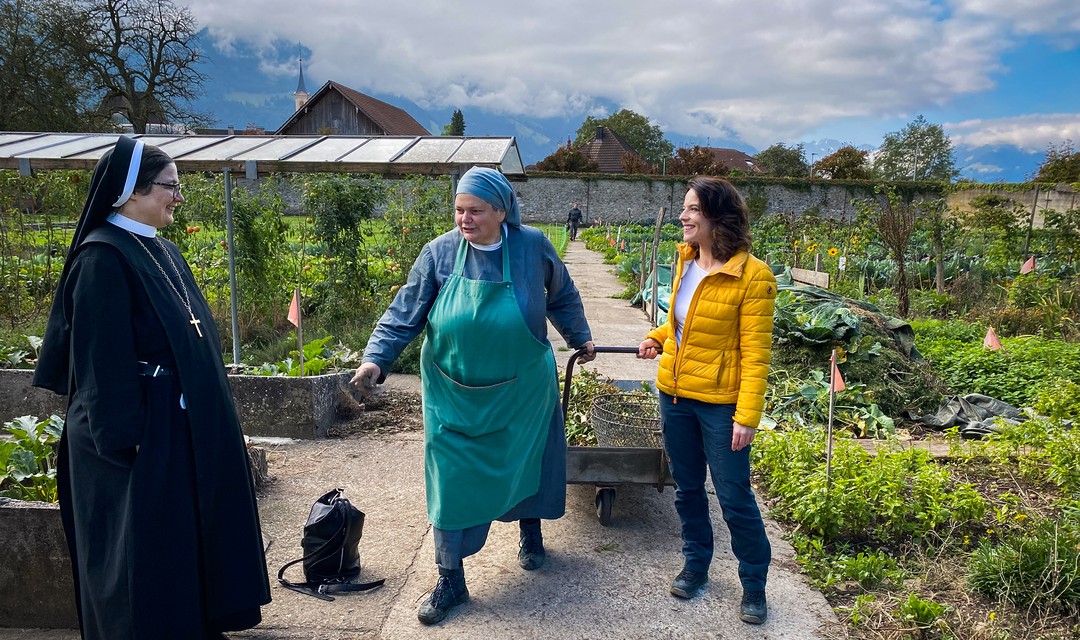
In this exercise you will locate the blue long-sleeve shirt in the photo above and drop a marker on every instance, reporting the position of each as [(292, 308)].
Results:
[(542, 286)]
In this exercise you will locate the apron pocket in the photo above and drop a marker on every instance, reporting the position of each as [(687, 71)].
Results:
[(472, 411)]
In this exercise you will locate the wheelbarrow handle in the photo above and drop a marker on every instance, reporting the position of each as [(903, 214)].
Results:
[(570, 369)]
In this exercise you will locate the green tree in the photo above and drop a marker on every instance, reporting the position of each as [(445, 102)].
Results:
[(846, 163), (783, 161), (43, 86), (456, 126), (568, 159), (143, 56), (695, 161), (647, 139), (920, 151), (1062, 164)]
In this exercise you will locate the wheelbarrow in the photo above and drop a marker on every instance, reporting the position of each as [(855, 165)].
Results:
[(607, 467)]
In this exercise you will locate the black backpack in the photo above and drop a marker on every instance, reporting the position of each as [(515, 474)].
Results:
[(331, 545)]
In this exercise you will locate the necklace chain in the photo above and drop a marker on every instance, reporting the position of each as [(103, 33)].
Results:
[(185, 299)]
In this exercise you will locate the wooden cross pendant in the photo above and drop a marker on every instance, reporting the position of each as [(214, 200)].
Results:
[(195, 322)]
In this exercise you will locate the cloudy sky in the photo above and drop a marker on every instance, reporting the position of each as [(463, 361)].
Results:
[(992, 71)]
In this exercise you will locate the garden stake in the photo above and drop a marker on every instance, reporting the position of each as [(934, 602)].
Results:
[(836, 383)]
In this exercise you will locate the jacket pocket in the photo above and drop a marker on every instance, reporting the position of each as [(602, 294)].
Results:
[(469, 410), (727, 371)]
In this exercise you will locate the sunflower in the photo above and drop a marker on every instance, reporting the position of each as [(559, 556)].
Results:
[(795, 244), (811, 248), (854, 240), (833, 251)]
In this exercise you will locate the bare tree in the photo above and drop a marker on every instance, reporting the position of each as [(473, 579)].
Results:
[(895, 219), (144, 57)]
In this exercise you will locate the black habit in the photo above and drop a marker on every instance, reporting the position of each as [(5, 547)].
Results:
[(165, 540)]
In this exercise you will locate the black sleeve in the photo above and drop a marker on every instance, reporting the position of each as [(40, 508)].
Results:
[(103, 347)]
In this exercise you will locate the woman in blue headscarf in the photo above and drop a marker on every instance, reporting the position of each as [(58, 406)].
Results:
[(494, 446)]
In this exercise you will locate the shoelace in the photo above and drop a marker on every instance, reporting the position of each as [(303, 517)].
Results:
[(686, 575), (531, 543), (756, 598), (443, 585)]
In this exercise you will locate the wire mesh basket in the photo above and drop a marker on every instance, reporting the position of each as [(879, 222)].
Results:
[(626, 420)]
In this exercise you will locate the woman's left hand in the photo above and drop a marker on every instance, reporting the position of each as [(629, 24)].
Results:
[(742, 437), (589, 355)]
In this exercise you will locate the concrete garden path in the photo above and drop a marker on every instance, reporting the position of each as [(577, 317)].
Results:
[(599, 582)]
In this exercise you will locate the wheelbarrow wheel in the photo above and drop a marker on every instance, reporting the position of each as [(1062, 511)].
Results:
[(605, 499)]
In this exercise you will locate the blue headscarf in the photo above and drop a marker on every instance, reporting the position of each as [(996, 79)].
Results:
[(493, 188)]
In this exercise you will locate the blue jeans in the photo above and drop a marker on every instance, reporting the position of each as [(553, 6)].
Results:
[(697, 434)]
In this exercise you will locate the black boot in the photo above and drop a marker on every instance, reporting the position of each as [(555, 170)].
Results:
[(449, 592), (531, 554)]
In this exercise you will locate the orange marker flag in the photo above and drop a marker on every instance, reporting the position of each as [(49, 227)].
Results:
[(836, 381), (294, 308), (991, 340), (1029, 266)]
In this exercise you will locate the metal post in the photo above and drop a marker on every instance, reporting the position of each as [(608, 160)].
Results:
[(232, 266)]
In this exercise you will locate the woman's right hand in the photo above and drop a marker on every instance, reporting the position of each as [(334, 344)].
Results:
[(649, 349), (366, 377)]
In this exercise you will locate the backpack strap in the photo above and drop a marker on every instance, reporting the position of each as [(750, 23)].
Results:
[(307, 588), (320, 589), (345, 587)]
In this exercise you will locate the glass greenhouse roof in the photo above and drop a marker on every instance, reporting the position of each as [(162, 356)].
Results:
[(265, 154)]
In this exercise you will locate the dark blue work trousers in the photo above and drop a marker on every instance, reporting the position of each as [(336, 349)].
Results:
[(697, 434)]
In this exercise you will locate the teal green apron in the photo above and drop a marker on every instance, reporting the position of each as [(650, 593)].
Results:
[(489, 392)]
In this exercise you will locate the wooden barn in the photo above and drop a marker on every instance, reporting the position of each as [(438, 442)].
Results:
[(338, 110)]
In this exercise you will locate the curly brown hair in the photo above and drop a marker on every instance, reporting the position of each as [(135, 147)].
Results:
[(724, 206)]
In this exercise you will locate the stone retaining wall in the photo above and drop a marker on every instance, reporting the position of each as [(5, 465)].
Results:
[(288, 407), (36, 589)]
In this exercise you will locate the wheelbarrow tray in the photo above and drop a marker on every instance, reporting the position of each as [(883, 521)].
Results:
[(609, 467), (617, 465)]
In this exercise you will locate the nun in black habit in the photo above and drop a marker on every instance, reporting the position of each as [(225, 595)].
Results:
[(155, 493)]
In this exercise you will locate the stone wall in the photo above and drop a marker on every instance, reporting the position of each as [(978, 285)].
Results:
[(617, 200), (36, 589), (288, 407), (547, 199), (1059, 198)]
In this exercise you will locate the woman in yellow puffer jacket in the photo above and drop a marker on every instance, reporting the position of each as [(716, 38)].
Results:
[(714, 364)]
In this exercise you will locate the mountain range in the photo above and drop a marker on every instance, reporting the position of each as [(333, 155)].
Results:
[(238, 94)]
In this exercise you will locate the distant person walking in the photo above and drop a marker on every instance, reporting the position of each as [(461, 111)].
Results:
[(573, 220)]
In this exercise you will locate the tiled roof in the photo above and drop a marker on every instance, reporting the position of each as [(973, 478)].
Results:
[(395, 121), (392, 120), (607, 148), (735, 159)]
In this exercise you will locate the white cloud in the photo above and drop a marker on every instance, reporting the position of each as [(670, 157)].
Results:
[(252, 99), (984, 169), (1059, 19), (721, 68), (1031, 133)]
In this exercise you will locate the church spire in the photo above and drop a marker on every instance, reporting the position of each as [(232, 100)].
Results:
[(301, 94)]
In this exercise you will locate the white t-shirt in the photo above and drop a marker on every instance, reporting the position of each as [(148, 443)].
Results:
[(691, 278)]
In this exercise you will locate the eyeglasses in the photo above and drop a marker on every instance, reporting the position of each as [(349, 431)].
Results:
[(175, 186)]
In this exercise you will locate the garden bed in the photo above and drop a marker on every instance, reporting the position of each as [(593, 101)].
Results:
[(35, 567), (269, 406)]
